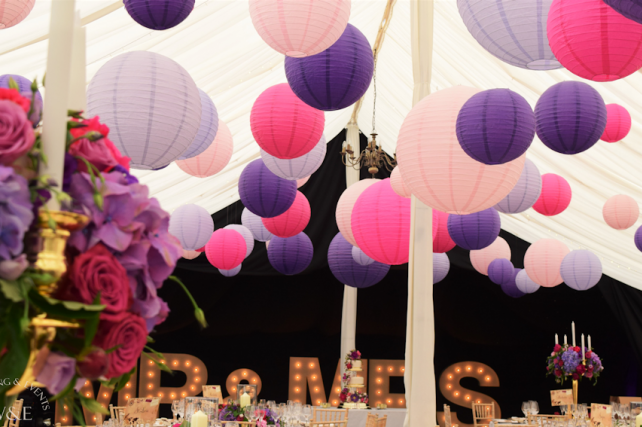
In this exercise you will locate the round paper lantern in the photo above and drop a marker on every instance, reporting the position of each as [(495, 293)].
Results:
[(190, 254), (396, 181), (480, 259), (637, 239), (631, 9), (513, 31), (335, 78), (525, 193), (300, 28), (349, 272), (441, 241), (13, 12), (621, 212), (524, 283), (440, 267), (254, 223), (201, 249), (435, 167), (151, 105), (381, 224), (247, 236), (192, 225), (207, 130), (510, 286), (593, 41), (231, 273), (581, 270), (475, 231), (290, 255), (542, 262), (264, 193), (215, 156), (495, 126), (24, 87), (501, 270), (301, 182), (283, 125), (359, 256), (291, 222), (555, 195), (226, 249), (346, 204), (570, 117), (618, 123), (159, 14), (299, 167)]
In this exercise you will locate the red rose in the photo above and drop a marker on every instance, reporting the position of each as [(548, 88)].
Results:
[(557, 348), (558, 373), (128, 331), (94, 271), (14, 96), (589, 354), (575, 376), (556, 360), (577, 349), (590, 368), (94, 125), (580, 369), (548, 368)]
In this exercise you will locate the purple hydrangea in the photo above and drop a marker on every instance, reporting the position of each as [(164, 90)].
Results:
[(16, 212), (571, 359)]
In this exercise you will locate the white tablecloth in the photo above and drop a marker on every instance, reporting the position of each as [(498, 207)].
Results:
[(396, 416)]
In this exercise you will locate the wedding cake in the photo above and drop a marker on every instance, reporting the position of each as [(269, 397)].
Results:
[(356, 381), (351, 395)]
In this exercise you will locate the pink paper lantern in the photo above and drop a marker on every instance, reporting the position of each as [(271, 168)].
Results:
[(437, 170), (555, 196), (543, 260), (300, 28), (291, 222), (226, 249), (190, 254), (346, 204), (283, 125), (396, 181), (214, 158), (481, 259), (441, 240), (381, 224), (621, 212), (593, 41), (618, 123), (301, 182), (13, 12)]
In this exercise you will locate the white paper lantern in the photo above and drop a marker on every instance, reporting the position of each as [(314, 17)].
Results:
[(524, 283), (207, 130), (440, 267), (192, 225), (299, 167), (231, 273), (247, 235), (360, 257), (254, 223)]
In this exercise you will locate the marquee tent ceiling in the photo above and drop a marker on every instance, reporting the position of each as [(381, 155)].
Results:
[(219, 47)]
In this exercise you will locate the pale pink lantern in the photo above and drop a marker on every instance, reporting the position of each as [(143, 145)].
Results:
[(437, 170), (301, 182), (396, 181), (481, 259), (190, 254), (543, 260), (13, 12), (346, 204), (300, 28), (291, 222), (621, 211), (214, 158)]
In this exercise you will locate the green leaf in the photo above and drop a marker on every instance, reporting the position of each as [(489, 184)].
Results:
[(156, 353), (150, 340), (68, 309), (78, 414), (92, 405), (124, 379), (14, 361), (13, 84), (162, 366), (114, 348), (12, 290), (91, 325)]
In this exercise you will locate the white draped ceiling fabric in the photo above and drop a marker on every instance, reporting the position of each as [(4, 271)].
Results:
[(219, 47)]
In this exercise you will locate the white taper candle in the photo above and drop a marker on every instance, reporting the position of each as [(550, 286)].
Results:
[(556, 342), (573, 333), (583, 349)]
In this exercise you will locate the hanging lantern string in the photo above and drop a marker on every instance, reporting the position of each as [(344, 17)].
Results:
[(374, 91)]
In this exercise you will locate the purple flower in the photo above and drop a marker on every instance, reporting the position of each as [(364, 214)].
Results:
[(14, 195), (12, 232), (130, 179), (160, 317), (57, 371), (11, 269), (71, 166), (354, 397), (571, 359)]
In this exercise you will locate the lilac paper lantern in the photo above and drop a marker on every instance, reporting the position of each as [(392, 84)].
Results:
[(440, 267), (299, 167), (581, 270), (247, 236), (349, 272), (474, 231), (335, 78), (264, 193), (495, 126), (525, 193), (631, 9), (290, 255), (501, 270), (192, 225), (254, 223), (360, 257), (524, 283), (231, 273), (637, 238), (510, 286), (570, 117), (206, 131), (24, 87), (159, 14)]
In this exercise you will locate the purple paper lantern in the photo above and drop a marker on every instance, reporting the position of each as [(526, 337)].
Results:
[(290, 255), (525, 193), (192, 225), (231, 273), (637, 239), (500, 270), (264, 193), (335, 78), (159, 14), (440, 267), (299, 167), (255, 225), (247, 236), (570, 117), (495, 126), (360, 257), (24, 87), (349, 272), (524, 283), (206, 131), (631, 9), (581, 270), (474, 231), (510, 286)]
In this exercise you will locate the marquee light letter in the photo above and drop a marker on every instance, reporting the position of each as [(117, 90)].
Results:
[(235, 378), (150, 374), (306, 371), (379, 391)]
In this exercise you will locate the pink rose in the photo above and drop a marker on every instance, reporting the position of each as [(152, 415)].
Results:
[(93, 365), (589, 354), (577, 349), (589, 375), (130, 332), (16, 132), (558, 373), (94, 125), (95, 152), (557, 348), (553, 354)]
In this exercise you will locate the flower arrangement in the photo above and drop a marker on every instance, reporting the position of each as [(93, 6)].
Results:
[(566, 361), (351, 395), (234, 412)]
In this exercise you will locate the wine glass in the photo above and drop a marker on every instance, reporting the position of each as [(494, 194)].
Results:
[(626, 413), (526, 406), (277, 413), (247, 411), (534, 407), (261, 412), (306, 411), (254, 413), (175, 404), (563, 409)]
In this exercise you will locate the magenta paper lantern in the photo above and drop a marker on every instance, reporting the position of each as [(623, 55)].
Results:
[(555, 196), (264, 193), (226, 249), (631, 9), (151, 105), (247, 236), (618, 123), (254, 223), (207, 130), (192, 225), (299, 167), (441, 241), (435, 167), (621, 212), (500, 271), (190, 254), (381, 224), (481, 259), (359, 256), (510, 288), (593, 41), (215, 157), (301, 182), (290, 255), (475, 231), (581, 270), (349, 272), (525, 193), (13, 12), (440, 267), (637, 239), (299, 28), (542, 262), (291, 222), (24, 87), (283, 125), (524, 283), (396, 181), (159, 14), (346, 204), (231, 273)]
